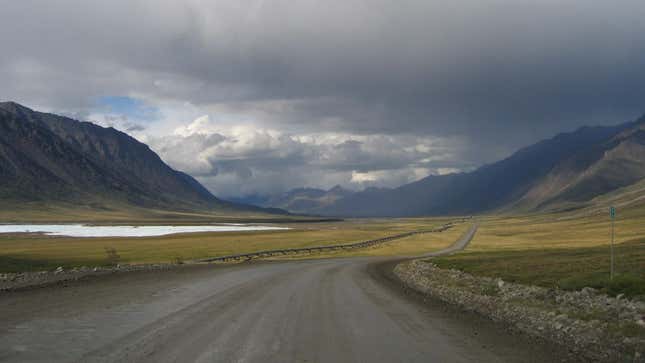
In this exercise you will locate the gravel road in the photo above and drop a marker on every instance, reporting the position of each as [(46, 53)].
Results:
[(333, 310)]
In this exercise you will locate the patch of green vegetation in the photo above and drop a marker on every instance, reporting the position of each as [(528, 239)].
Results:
[(490, 289), (569, 269), (627, 329), (627, 283), (588, 315), (21, 264), (12, 264)]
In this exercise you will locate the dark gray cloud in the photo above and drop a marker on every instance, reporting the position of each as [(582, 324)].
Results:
[(499, 74)]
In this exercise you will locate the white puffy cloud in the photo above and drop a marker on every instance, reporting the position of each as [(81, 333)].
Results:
[(245, 159)]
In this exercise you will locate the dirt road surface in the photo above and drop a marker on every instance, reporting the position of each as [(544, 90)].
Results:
[(327, 310)]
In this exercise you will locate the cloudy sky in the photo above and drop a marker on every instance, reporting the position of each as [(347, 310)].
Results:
[(259, 96)]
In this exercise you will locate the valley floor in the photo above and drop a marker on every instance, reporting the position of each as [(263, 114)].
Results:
[(20, 252), (559, 251), (567, 250)]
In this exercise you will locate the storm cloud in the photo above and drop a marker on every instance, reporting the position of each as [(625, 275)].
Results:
[(327, 92), (247, 160)]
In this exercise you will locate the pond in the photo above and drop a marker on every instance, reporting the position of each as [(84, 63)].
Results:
[(82, 230)]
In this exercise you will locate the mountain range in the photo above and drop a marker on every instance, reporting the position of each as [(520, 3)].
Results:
[(566, 171), (55, 159)]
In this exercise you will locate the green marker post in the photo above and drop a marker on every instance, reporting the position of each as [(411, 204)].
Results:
[(612, 215)]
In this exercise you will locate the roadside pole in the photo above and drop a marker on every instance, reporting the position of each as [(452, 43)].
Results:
[(612, 215)]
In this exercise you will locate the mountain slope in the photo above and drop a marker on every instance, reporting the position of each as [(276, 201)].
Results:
[(53, 158), (597, 170), (503, 183)]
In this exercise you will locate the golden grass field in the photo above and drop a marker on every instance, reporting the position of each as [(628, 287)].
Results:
[(563, 250), (21, 252), (408, 246), (568, 250)]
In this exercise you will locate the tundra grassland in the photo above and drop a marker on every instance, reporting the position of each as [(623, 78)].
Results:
[(559, 250), (28, 252), (116, 214)]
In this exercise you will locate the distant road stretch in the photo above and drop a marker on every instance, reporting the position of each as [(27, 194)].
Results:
[(325, 310), (314, 249), (459, 244)]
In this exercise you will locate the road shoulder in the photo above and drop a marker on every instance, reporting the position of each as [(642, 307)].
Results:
[(578, 322)]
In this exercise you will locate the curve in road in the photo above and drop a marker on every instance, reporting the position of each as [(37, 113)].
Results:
[(461, 243), (335, 310)]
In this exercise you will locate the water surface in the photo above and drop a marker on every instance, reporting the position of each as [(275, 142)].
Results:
[(81, 230)]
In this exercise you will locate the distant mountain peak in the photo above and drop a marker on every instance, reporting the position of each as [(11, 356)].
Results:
[(10, 104), (14, 107)]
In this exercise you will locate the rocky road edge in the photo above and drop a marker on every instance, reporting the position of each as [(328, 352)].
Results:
[(22, 280), (587, 323)]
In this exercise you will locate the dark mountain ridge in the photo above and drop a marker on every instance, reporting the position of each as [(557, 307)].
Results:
[(598, 169), (50, 158), (504, 183), (45, 157)]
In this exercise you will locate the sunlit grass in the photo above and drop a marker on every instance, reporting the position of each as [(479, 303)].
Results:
[(555, 250), (28, 252), (409, 246)]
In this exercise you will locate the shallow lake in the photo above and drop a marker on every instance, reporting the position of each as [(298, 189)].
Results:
[(81, 230)]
